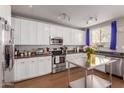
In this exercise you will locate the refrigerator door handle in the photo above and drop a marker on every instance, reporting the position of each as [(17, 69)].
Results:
[(11, 49)]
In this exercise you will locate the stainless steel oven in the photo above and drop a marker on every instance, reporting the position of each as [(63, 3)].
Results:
[(58, 60), (56, 40)]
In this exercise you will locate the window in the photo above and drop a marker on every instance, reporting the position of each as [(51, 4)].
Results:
[(101, 36)]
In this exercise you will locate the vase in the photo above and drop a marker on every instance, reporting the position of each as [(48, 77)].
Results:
[(91, 59)]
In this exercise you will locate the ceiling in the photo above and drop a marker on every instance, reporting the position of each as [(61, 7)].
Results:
[(79, 14)]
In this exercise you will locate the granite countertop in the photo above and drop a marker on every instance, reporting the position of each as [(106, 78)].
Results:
[(121, 51), (43, 55), (112, 51)]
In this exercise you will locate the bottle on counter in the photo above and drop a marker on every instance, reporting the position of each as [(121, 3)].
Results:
[(29, 54), (16, 52), (22, 54), (25, 53)]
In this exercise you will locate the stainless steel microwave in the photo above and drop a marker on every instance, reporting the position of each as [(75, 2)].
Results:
[(56, 41)]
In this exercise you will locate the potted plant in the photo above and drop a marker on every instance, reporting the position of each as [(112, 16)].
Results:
[(90, 50)]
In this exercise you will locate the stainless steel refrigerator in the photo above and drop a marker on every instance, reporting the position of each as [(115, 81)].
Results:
[(6, 54)]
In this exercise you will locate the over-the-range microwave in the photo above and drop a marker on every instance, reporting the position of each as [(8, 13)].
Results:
[(56, 40)]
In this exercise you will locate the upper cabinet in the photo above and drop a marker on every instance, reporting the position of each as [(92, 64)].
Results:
[(33, 33), (73, 37), (55, 31), (67, 36), (43, 33), (25, 31), (28, 32)]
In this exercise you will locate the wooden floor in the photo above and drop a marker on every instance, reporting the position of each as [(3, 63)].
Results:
[(59, 80)]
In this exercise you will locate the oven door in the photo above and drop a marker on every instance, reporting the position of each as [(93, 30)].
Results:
[(59, 59)]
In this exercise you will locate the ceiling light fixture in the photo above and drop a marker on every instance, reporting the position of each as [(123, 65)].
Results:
[(64, 16), (91, 20)]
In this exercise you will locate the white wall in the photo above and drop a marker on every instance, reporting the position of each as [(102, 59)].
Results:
[(5, 12)]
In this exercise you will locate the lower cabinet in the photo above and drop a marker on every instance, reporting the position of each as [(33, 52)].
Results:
[(20, 70), (31, 67), (45, 66)]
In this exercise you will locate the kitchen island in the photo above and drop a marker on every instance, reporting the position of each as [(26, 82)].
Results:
[(90, 81)]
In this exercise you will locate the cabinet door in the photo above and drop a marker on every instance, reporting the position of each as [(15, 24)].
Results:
[(56, 31), (47, 65), (33, 33), (32, 68), (67, 35), (78, 37), (25, 32), (16, 24), (43, 34), (82, 37), (41, 66), (70, 57), (21, 72), (74, 37), (53, 31)]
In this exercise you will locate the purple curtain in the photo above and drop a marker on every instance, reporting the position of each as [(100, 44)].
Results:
[(113, 35), (88, 37)]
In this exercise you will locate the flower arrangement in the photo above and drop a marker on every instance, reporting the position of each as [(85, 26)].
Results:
[(90, 50)]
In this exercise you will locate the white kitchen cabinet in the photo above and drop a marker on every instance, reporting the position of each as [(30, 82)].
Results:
[(21, 70), (70, 56), (79, 37), (38, 33), (42, 33), (31, 67), (82, 37), (16, 24), (67, 36), (28, 32), (25, 32), (56, 31), (45, 65), (74, 37), (32, 33)]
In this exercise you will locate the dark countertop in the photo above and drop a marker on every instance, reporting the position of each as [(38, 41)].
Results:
[(43, 55), (110, 53)]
